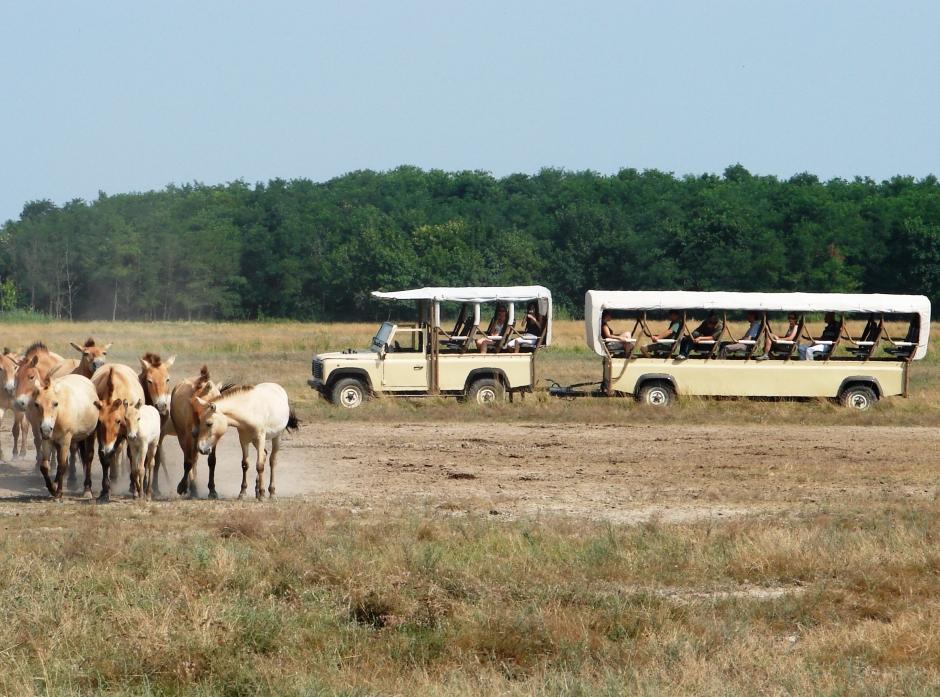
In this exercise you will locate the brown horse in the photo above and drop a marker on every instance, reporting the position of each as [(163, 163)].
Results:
[(93, 357), (117, 387), (66, 413), (155, 380), (8, 368), (182, 423)]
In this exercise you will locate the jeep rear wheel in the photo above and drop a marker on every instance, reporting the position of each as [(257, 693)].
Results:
[(657, 393), (486, 391), (349, 393), (858, 397)]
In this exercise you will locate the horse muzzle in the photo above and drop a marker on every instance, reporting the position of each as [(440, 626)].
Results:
[(205, 448)]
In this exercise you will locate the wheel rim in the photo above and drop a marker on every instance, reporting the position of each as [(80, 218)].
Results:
[(657, 397), (859, 401), (350, 397), (486, 395)]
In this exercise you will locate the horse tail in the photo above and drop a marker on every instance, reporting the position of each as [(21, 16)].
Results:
[(293, 423)]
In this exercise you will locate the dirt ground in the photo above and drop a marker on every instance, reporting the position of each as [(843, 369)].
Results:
[(620, 473)]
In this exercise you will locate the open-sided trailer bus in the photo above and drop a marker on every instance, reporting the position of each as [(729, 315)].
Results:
[(470, 355), (856, 367)]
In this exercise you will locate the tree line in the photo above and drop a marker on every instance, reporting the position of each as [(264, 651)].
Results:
[(313, 251)]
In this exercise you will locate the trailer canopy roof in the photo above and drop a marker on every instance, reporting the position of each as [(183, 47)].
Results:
[(596, 301), (477, 295)]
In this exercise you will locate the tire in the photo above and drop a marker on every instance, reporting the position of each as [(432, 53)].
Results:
[(349, 393), (858, 397), (657, 393), (486, 391)]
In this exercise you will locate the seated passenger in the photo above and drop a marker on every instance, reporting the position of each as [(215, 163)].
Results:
[(753, 331), (534, 323), (608, 335), (776, 344), (668, 336), (494, 333), (830, 335), (703, 337)]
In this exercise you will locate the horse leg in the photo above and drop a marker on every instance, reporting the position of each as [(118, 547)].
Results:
[(106, 463), (86, 451), (212, 492), (186, 444), (148, 470), (17, 417), (45, 453), (1, 428), (154, 484), (137, 469), (65, 455), (244, 441), (259, 467), (73, 474), (275, 446)]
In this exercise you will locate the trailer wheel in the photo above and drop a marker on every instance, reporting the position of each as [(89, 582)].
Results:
[(657, 393), (349, 393), (486, 391), (858, 397)]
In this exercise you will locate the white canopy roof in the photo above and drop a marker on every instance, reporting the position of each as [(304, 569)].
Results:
[(596, 301), (509, 294), (480, 294)]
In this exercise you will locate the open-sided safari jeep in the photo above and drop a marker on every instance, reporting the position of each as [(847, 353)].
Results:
[(462, 357)]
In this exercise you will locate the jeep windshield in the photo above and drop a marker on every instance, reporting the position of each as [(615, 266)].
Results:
[(381, 337)]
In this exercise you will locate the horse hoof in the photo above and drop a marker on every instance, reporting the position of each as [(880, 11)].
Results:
[(104, 498), (213, 494)]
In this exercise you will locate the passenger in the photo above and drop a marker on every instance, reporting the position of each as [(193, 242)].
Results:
[(706, 333), (607, 334), (753, 331), (675, 326), (534, 323), (772, 341), (494, 333), (830, 335)]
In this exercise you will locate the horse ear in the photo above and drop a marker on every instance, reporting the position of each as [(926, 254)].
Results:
[(76, 347), (170, 361), (201, 402), (47, 383), (16, 361), (35, 361), (139, 404), (99, 405), (144, 364), (106, 347), (117, 403), (125, 404)]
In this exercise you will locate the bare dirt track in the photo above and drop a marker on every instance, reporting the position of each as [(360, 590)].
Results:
[(619, 473)]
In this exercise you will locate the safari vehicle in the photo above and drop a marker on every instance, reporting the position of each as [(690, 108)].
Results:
[(852, 363), (468, 359)]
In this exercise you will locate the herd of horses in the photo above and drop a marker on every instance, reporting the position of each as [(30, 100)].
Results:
[(70, 404)]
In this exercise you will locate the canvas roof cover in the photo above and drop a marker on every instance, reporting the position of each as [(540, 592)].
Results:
[(480, 294), (596, 301)]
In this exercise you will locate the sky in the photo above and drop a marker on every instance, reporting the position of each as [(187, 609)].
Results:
[(124, 96)]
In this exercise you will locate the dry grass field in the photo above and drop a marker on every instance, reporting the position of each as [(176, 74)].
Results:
[(428, 547)]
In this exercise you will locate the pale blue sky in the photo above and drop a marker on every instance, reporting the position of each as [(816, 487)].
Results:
[(131, 96)]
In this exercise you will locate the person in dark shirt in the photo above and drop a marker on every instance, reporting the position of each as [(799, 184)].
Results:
[(706, 333), (827, 340)]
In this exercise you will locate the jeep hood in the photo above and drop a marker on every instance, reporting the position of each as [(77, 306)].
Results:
[(353, 355)]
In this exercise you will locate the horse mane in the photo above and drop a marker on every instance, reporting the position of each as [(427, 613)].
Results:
[(6, 351), (230, 391), (203, 378), (154, 359), (109, 385), (89, 342), (36, 347)]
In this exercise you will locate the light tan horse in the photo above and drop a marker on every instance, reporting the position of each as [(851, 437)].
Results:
[(260, 413), (37, 364), (143, 436), (67, 416), (93, 357), (8, 368), (182, 424), (116, 386)]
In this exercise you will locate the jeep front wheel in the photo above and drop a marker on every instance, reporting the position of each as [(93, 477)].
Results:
[(486, 391), (349, 393)]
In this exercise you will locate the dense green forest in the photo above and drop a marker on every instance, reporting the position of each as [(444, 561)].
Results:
[(305, 250)]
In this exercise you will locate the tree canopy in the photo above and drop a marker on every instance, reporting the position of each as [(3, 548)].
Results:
[(304, 250)]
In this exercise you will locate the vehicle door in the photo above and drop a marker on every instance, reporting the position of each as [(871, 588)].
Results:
[(405, 361)]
